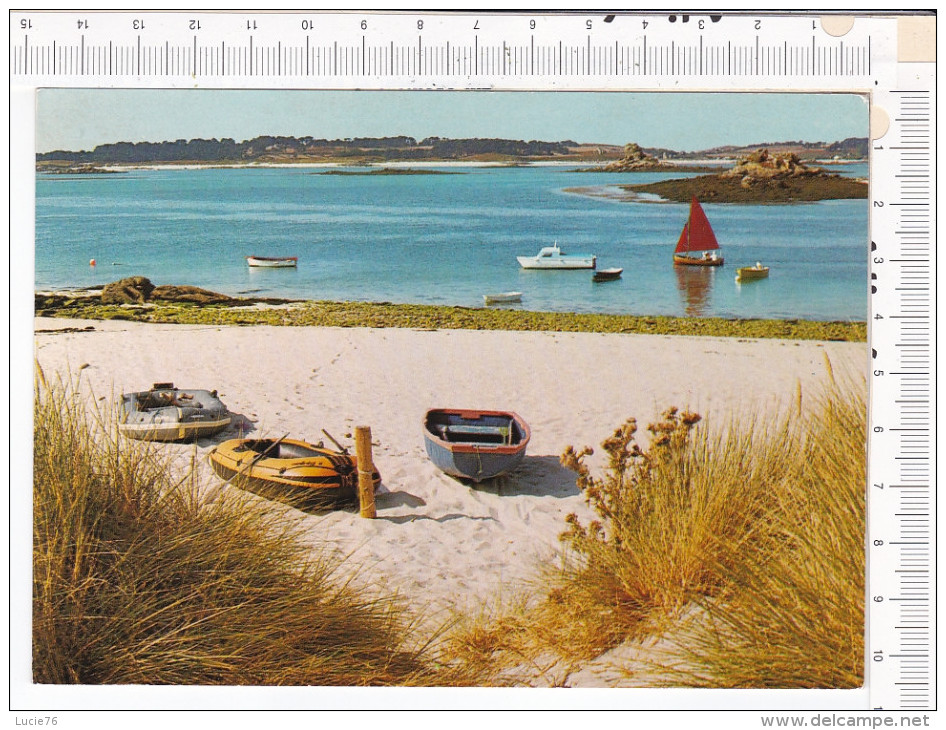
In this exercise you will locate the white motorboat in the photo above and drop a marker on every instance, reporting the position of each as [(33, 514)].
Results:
[(552, 257)]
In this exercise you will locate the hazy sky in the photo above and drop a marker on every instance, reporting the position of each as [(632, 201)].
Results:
[(80, 119)]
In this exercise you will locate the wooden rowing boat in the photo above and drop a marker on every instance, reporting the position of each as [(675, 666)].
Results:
[(475, 444)]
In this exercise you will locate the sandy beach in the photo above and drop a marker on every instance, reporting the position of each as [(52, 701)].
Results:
[(438, 542)]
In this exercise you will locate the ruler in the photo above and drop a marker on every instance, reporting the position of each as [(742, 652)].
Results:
[(375, 50), (902, 500), (889, 58)]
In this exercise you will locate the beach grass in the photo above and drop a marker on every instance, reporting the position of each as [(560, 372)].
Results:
[(420, 316), (741, 548), (142, 576)]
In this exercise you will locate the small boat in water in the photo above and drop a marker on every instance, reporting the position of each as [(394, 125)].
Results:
[(606, 275), (697, 237), (504, 298), (552, 257), (270, 262), (748, 273), (166, 413), (289, 469), (475, 444)]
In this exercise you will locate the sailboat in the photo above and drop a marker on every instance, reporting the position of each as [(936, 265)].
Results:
[(697, 237)]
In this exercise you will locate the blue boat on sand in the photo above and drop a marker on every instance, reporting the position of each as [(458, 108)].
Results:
[(475, 444)]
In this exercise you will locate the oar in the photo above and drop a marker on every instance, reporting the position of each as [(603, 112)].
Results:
[(249, 465), (332, 439)]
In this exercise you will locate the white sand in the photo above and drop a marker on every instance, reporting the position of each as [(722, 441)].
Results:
[(437, 541)]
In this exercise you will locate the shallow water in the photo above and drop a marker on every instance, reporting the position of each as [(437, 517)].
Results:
[(444, 239)]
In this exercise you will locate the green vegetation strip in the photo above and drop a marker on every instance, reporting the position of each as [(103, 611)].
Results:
[(421, 316)]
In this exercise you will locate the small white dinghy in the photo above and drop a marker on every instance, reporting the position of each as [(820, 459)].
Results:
[(503, 298), (272, 262)]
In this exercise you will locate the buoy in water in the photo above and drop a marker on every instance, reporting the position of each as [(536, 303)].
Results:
[(92, 262)]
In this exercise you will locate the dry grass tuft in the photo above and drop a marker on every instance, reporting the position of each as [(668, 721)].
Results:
[(744, 548), (143, 578)]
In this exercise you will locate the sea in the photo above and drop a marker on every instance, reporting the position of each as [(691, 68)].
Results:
[(447, 238)]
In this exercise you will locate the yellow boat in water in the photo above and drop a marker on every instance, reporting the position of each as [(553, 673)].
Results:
[(289, 470), (747, 273)]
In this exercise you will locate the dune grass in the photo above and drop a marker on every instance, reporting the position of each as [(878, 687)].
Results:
[(742, 546), (795, 617), (142, 577)]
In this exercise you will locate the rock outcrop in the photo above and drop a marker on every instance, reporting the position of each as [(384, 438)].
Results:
[(635, 160), (130, 290), (760, 166), (139, 290), (171, 293)]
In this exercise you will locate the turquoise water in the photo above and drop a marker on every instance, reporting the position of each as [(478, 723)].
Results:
[(444, 239)]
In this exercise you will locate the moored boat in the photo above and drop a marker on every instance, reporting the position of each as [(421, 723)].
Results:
[(475, 444), (552, 257), (508, 297), (607, 275), (697, 237), (166, 413), (272, 262), (289, 469), (749, 273)]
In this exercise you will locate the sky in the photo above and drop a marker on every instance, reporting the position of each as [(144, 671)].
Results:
[(80, 119)]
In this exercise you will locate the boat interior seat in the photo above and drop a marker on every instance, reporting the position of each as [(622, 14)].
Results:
[(475, 434)]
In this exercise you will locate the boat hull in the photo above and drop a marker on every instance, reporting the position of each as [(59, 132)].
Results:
[(264, 262), (680, 260), (566, 262), (290, 471), (750, 273), (475, 444), (553, 258), (607, 275), (506, 298), (171, 414)]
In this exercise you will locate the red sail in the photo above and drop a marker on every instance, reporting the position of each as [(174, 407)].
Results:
[(697, 234), (682, 246)]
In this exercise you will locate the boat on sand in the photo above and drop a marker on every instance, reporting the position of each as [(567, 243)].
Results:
[(289, 469), (166, 413), (697, 237), (475, 444)]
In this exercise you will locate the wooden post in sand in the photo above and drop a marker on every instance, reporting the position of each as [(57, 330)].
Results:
[(365, 471)]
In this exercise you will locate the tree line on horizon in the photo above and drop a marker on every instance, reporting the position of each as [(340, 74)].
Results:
[(398, 147), (227, 149)]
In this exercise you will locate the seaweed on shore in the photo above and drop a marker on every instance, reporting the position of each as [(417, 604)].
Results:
[(423, 316)]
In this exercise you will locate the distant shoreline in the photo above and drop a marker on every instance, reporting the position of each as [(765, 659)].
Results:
[(84, 304)]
